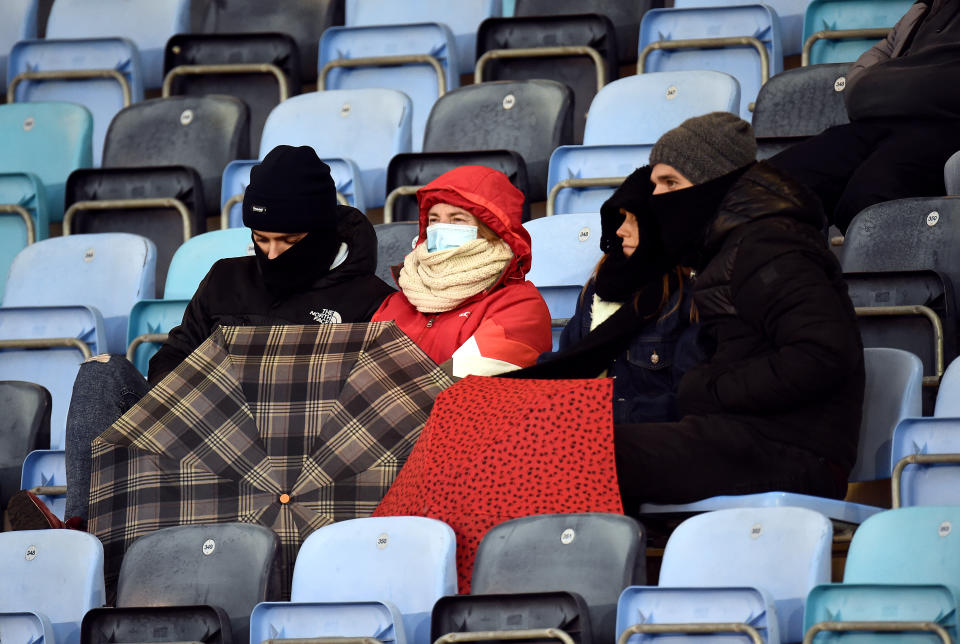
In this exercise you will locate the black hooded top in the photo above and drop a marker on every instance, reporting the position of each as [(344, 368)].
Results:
[(788, 358), (234, 293)]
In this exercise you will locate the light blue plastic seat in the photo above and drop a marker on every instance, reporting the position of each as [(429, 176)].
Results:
[(20, 190), (418, 80), (19, 23), (951, 174), (902, 566), (756, 21), (190, 264), (51, 578), (47, 468), (639, 109), (751, 566), (366, 126), (48, 141), (571, 164), (839, 15), (104, 97), (565, 250), (373, 577), (892, 393), (462, 17), (236, 177), (790, 12), (148, 24)]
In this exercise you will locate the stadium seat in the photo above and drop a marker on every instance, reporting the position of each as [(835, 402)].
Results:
[(581, 177), (752, 51), (365, 126), (624, 14), (463, 18), (163, 204), (667, 100), (891, 393), (23, 216), (746, 566), (902, 566), (521, 564), (24, 427), (204, 133), (259, 69), (419, 60), (790, 13), (924, 455), (905, 235), (838, 31), (394, 242), (49, 141), (565, 253), (529, 117), (304, 20), (582, 48), (189, 583), (148, 25), (910, 310), (102, 74), (19, 23), (151, 320), (407, 172), (799, 103), (51, 578), (45, 470), (236, 177), (951, 174), (374, 577)]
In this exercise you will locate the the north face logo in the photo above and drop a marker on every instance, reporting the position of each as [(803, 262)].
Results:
[(258, 209), (326, 316)]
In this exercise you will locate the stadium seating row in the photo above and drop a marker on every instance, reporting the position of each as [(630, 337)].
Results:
[(760, 572)]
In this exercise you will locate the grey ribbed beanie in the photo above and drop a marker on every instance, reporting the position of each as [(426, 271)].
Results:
[(706, 147)]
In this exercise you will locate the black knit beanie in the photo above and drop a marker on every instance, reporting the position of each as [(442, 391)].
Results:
[(290, 191), (706, 147)]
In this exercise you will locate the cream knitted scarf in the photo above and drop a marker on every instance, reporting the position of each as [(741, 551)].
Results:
[(439, 281)]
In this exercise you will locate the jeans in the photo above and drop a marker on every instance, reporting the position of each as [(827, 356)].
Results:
[(102, 393)]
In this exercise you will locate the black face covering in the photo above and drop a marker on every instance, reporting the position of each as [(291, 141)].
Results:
[(299, 266)]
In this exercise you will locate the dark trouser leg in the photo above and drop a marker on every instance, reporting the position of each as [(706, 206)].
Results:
[(704, 456), (825, 163), (102, 393)]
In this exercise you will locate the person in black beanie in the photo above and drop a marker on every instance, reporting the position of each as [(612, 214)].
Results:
[(314, 262), (776, 404)]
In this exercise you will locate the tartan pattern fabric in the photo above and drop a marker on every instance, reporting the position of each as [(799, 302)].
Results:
[(325, 414)]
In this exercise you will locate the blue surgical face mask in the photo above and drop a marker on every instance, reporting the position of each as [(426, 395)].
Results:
[(446, 236)]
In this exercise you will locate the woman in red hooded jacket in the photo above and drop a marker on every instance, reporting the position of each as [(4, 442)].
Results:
[(463, 294)]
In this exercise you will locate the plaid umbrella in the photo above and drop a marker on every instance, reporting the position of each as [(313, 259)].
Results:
[(291, 427)]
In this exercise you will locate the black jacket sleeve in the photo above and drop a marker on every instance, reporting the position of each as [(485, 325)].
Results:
[(195, 327), (792, 301)]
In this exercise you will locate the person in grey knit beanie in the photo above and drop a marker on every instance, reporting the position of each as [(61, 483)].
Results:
[(705, 147)]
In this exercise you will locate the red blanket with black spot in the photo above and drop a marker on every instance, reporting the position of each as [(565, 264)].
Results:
[(495, 449)]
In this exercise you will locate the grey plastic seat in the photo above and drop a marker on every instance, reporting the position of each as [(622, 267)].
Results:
[(304, 20), (226, 566), (409, 170), (259, 69), (590, 557), (24, 427), (799, 103), (951, 174), (577, 70), (529, 117), (625, 14), (204, 133), (394, 242)]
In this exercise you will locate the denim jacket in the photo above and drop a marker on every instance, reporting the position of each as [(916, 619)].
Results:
[(647, 374)]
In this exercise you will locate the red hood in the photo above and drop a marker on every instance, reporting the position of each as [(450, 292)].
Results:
[(490, 197)]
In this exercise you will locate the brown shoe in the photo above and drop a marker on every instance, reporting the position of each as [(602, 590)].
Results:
[(28, 512)]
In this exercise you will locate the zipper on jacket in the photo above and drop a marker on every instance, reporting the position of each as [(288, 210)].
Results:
[(430, 321)]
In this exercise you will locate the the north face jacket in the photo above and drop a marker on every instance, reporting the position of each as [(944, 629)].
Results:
[(508, 325), (233, 293)]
